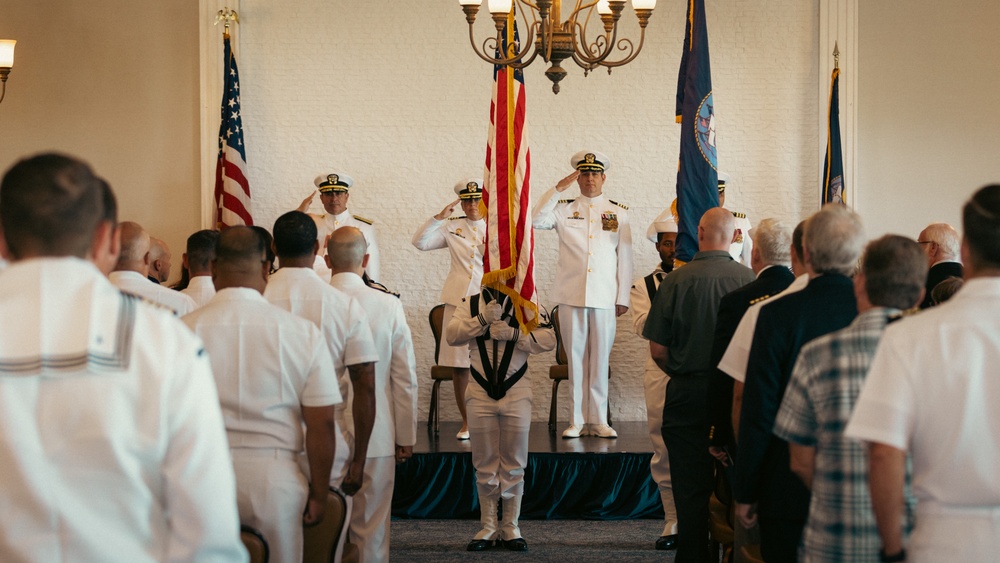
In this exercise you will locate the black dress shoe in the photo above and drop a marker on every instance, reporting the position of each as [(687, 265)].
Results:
[(516, 544), (479, 545), (666, 542)]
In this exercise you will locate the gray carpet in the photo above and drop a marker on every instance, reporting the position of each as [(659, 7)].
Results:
[(579, 541)]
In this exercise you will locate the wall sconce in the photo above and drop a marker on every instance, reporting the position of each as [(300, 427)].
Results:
[(6, 63)]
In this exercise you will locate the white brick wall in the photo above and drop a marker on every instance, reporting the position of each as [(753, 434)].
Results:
[(396, 98)]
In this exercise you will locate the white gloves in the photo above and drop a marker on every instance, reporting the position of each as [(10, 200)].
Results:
[(500, 330), (492, 312)]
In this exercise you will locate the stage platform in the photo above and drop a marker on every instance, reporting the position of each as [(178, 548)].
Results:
[(583, 478)]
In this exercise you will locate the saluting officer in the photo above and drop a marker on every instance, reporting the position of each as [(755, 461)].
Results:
[(742, 244), (333, 194), (593, 277), (465, 237)]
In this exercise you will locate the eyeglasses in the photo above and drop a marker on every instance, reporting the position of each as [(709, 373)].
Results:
[(925, 242)]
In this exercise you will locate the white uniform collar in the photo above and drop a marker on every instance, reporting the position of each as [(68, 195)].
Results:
[(295, 273), (347, 280), (598, 199), (238, 294), (341, 217)]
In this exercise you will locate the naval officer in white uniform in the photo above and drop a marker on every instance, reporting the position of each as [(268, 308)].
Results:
[(334, 191), (654, 381), (465, 237), (742, 245), (593, 277)]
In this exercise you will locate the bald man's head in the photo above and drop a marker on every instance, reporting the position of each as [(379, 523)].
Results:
[(715, 230), (159, 259), (346, 250), (134, 256)]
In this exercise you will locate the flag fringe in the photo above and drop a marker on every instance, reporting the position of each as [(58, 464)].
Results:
[(497, 280)]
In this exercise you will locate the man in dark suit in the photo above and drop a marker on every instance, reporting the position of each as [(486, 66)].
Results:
[(834, 239), (941, 243), (770, 260)]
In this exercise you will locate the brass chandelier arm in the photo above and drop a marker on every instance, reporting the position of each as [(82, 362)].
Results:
[(589, 55), (491, 44), (632, 53)]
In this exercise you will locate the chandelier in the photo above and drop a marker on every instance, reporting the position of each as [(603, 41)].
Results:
[(556, 40)]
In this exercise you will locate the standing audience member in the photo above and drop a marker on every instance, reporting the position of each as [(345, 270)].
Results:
[(159, 261), (593, 277), (770, 260), (946, 289), (654, 380), (940, 242), (679, 328), (198, 263), (465, 238), (111, 438), (296, 288), (133, 266), (275, 377), (833, 242), (931, 393), (499, 408), (828, 376), (395, 429)]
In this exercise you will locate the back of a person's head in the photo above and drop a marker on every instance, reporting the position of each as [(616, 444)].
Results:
[(834, 238), (265, 236), (346, 249), (772, 239), (946, 289), (895, 270), (981, 223), (240, 248), (201, 249), (798, 233), (716, 229), (50, 205), (946, 237), (294, 235), (135, 246)]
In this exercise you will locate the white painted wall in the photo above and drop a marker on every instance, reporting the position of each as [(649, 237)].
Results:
[(398, 100), (929, 117)]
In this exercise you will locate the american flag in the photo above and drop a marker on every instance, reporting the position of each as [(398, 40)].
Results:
[(509, 263), (232, 190)]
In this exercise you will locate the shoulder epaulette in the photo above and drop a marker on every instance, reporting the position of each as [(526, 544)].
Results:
[(456, 218), (739, 215), (622, 205), (567, 200), (363, 220)]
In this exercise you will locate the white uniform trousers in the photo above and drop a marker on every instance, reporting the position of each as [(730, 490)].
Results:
[(271, 493), (448, 355), (372, 510), (588, 335), (954, 534), (498, 435), (654, 383)]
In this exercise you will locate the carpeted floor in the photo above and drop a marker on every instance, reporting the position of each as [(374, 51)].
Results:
[(579, 541)]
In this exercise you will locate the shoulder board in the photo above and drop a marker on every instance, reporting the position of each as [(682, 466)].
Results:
[(567, 200), (363, 220), (739, 215), (379, 287), (456, 218), (622, 205)]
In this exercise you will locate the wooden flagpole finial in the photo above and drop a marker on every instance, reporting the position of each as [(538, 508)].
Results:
[(226, 16)]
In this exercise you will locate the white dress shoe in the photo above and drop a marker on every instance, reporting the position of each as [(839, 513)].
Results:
[(572, 432), (603, 431)]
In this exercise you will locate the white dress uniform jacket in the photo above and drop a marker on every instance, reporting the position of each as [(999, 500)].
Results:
[(595, 249), (268, 364), (742, 245), (200, 289), (466, 240), (932, 391), (345, 329), (137, 284), (395, 414), (112, 445), (326, 224)]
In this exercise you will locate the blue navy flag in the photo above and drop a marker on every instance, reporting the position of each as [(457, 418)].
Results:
[(697, 171), (833, 163), (232, 189)]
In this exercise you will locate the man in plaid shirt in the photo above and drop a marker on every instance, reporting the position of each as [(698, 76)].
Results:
[(820, 397)]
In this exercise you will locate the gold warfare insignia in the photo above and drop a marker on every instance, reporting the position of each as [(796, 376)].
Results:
[(458, 233), (609, 222), (576, 215), (333, 179), (589, 158)]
